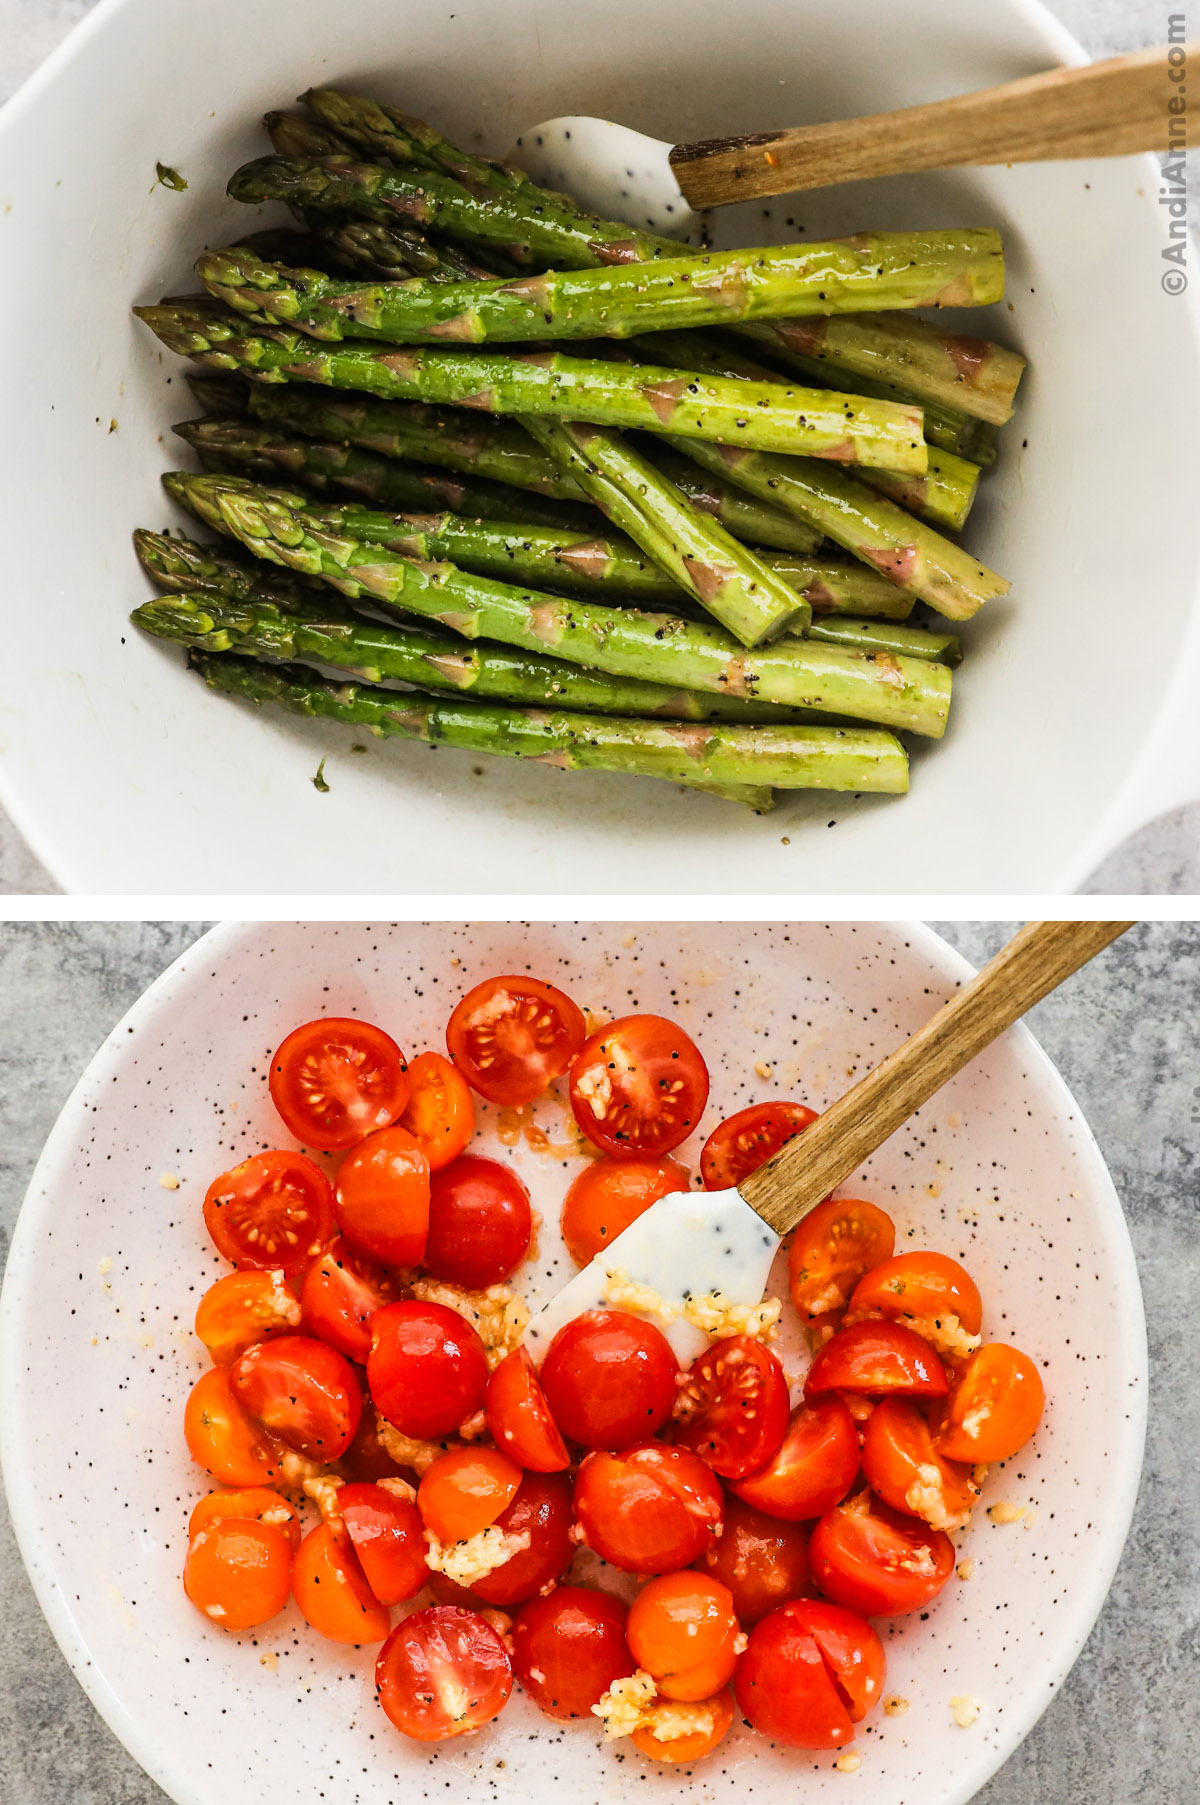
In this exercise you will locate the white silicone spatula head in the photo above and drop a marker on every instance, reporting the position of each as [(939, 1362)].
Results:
[(611, 170)]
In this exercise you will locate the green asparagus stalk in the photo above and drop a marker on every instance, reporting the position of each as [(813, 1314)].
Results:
[(341, 469), (907, 693), (387, 132), (221, 397), (730, 581), (801, 757), (295, 135), (764, 417), (887, 636), (907, 551), (363, 245), (752, 521)]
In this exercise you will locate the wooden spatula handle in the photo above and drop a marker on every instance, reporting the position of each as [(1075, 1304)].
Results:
[(1033, 963), (1105, 109)]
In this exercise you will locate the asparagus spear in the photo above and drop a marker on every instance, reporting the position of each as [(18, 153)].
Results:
[(895, 692), (294, 135), (376, 250), (387, 132), (762, 416), (907, 552), (734, 585), (184, 567), (222, 397), (307, 629), (825, 758), (341, 468)]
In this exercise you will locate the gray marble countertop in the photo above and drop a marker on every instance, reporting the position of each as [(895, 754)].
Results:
[(1162, 859), (1125, 1036)]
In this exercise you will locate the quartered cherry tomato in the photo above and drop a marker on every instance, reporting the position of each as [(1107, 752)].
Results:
[(440, 1112), (608, 1195), (387, 1535), (341, 1292), (302, 1391), (877, 1358), (464, 1490), (762, 1560), (336, 1080), (479, 1223), (609, 1379), (511, 1037), (443, 1672), (810, 1672), (519, 1416), (569, 1647), (648, 1509), (743, 1142), (382, 1198), (926, 1286), (732, 1407), (683, 1632), (815, 1466), (242, 1308), (903, 1467), (223, 1439), (274, 1211), (995, 1406), (832, 1248), (639, 1086), (691, 1745), (332, 1591), (427, 1369), (256, 1503), (238, 1572), (873, 1559)]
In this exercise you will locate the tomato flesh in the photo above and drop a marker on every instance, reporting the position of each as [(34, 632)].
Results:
[(732, 1408), (876, 1358), (258, 1503), (609, 1379), (569, 1647), (336, 1080), (762, 1560), (648, 1509), (810, 1672), (242, 1308), (302, 1391), (512, 1036), (903, 1467), (382, 1198), (443, 1672), (519, 1416), (541, 1509), (995, 1406), (332, 1591), (814, 1467), (683, 1631), (923, 1285), (464, 1490), (223, 1439), (608, 1195), (832, 1248), (440, 1112), (693, 1745), (238, 1572), (274, 1211), (743, 1142), (873, 1559), (387, 1535), (639, 1086), (341, 1292), (427, 1369), (479, 1223)]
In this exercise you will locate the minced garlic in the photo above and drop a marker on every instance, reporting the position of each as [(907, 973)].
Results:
[(498, 1315), (168, 1181), (399, 1488), (1006, 1513), (622, 1709), (282, 1305), (269, 1660), (848, 1763), (945, 1333), (926, 1498), (966, 1569), (625, 1294), (478, 1555), (713, 1314), (407, 1450), (893, 1706), (324, 1493), (668, 1722), (296, 1468), (965, 1709)]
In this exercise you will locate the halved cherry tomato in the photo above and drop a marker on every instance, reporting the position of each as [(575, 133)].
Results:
[(832, 1248), (510, 1037), (242, 1308), (763, 1561), (810, 1672), (639, 1086), (683, 1631), (569, 1647), (440, 1112), (608, 1195), (648, 1509), (903, 1467), (519, 1416), (873, 1559), (257, 1503), (382, 1198), (732, 1408), (302, 1391), (743, 1142), (275, 1210), (223, 1439), (464, 1490), (995, 1406), (479, 1223), (815, 1466), (541, 1510), (332, 1591), (692, 1745), (388, 1537), (341, 1292), (427, 1369), (238, 1572), (366, 1460), (922, 1285), (877, 1358), (609, 1379), (442, 1672), (336, 1080)]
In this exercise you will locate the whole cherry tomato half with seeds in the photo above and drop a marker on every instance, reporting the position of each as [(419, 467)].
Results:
[(440, 1112), (995, 1406), (831, 1250), (301, 1390), (639, 1086), (427, 1369), (742, 1143), (732, 1407), (511, 1037), (609, 1379), (480, 1223), (443, 1672), (242, 1308), (336, 1080), (569, 1647), (271, 1213)]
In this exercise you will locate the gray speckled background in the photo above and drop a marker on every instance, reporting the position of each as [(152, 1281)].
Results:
[(1125, 1035), (1163, 858)]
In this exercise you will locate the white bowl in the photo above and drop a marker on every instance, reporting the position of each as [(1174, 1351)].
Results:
[(1074, 720), (106, 1268)]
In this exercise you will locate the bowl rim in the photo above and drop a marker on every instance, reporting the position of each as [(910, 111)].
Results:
[(18, 1296)]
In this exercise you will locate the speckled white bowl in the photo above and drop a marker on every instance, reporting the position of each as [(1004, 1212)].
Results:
[(107, 1265)]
